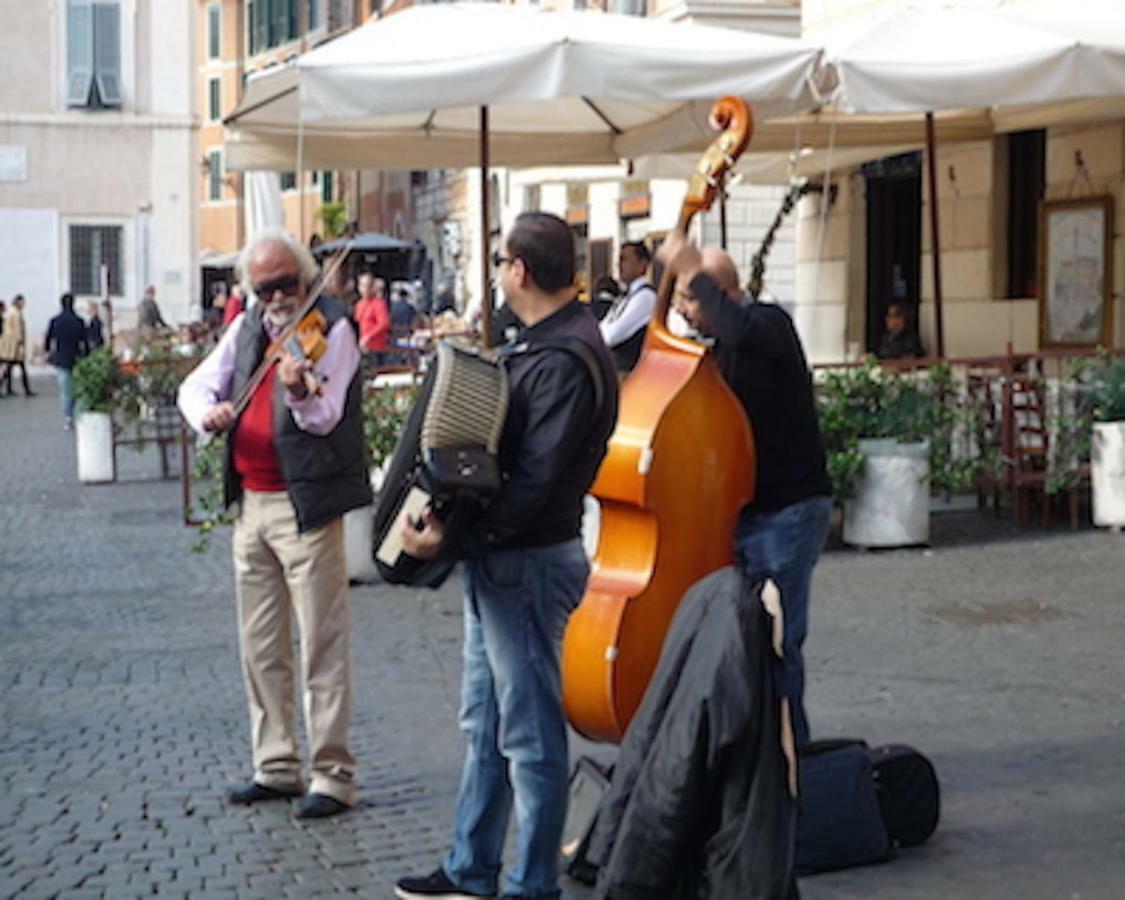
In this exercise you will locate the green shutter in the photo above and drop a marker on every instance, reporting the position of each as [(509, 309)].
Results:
[(215, 98), (79, 52), (215, 191), (107, 52), (326, 187), (214, 36)]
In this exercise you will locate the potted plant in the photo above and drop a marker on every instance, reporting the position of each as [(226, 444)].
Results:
[(889, 438), (95, 379), (1106, 400)]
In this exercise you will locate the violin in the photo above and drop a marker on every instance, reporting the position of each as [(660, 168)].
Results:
[(303, 338), (680, 466)]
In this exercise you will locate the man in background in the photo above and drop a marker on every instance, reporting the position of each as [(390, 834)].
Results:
[(623, 327)]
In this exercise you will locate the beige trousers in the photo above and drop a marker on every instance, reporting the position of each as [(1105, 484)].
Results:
[(279, 572)]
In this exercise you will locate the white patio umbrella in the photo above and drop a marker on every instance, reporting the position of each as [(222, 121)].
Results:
[(918, 56), (1027, 64), (561, 87), (482, 83)]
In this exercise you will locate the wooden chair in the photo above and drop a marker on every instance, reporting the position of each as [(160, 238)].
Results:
[(1031, 453), (982, 390), (1029, 448)]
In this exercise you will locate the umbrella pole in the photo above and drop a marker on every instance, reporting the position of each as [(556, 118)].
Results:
[(485, 274), (723, 212), (931, 168)]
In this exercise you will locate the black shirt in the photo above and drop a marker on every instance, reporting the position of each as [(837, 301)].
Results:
[(554, 437), (759, 353)]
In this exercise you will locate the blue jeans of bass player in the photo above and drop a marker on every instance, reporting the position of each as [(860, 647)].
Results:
[(517, 603), (783, 546)]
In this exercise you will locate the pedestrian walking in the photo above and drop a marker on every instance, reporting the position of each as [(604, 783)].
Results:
[(295, 464), (66, 344), (13, 347)]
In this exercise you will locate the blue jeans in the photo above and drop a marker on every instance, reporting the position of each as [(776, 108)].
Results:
[(66, 393), (517, 603), (783, 546)]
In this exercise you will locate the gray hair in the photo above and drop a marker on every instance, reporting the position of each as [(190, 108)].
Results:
[(275, 234)]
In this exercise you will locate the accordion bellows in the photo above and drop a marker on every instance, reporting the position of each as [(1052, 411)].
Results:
[(468, 404)]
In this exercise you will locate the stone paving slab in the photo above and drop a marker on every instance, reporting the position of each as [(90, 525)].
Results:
[(997, 652)]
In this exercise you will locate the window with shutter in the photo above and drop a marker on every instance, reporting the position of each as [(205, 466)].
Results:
[(313, 14), (214, 36), (288, 181), (326, 187), (79, 52)]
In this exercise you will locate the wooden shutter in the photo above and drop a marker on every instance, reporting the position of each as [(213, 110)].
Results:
[(107, 52), (79, 52)]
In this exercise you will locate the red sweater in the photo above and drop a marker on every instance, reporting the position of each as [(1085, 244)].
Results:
[(255, 457)]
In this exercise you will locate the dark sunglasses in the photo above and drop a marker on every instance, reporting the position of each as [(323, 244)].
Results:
[(287, 284), (497, 259)]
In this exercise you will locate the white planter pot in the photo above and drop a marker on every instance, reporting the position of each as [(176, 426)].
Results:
[(359, 526), (891, 507), (1107, 473), (95, 447)]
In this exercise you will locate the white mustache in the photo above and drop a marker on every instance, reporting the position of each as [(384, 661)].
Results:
[(281, 312)]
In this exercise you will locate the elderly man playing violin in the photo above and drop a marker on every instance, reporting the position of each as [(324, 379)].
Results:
[(295, 463)]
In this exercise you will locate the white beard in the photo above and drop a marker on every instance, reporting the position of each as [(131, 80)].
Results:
[(281, 314)]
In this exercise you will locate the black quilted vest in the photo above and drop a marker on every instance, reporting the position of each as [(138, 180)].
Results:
[(324, 476)]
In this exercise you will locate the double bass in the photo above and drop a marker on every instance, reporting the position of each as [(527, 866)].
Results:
[(679, 467)]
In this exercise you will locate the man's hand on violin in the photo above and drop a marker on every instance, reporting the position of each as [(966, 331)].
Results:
[(219, 417), (292, 372), (680, 256), (424, 543)]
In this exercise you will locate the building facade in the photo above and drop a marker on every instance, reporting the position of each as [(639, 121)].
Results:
[(97, 147), (874, 244)]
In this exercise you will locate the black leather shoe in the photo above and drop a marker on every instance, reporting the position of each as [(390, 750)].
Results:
[(259, 793), (319, 806)]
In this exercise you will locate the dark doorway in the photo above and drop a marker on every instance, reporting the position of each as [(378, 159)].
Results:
[(894, 240)]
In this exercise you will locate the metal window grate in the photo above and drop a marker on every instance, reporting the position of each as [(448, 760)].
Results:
[(91, 246)]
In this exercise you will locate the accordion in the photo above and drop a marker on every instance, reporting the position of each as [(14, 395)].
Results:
[(446, 458)]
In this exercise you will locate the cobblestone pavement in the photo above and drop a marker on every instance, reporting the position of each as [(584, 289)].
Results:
[(998, 653)]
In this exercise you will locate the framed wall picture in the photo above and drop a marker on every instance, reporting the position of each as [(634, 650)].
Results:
[(1076, 272)]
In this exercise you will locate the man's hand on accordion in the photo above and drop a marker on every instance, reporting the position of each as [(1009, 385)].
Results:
[(422, 537)]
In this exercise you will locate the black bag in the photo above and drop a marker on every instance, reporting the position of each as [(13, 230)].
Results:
[(908, 791), (839, 823), (858, 804)]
